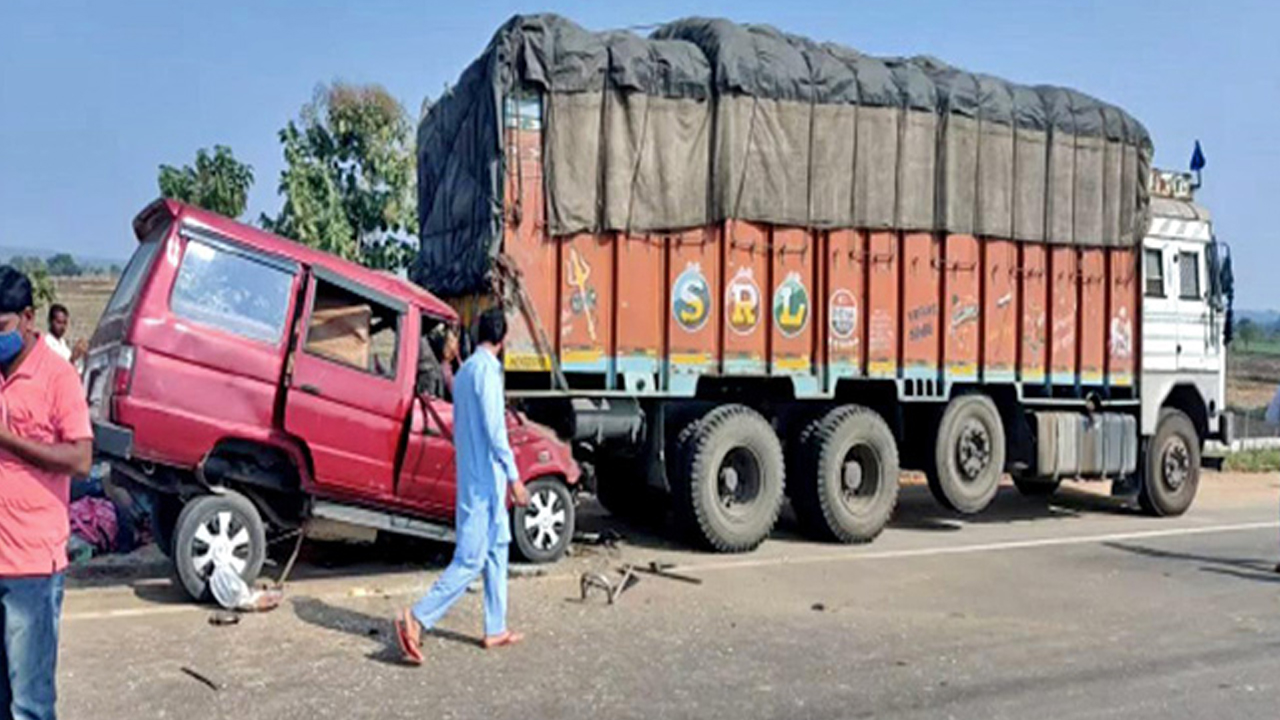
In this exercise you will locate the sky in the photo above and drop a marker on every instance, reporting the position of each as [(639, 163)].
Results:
[(94, 96)]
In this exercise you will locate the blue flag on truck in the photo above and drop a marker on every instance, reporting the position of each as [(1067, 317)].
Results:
[(1197, 158)]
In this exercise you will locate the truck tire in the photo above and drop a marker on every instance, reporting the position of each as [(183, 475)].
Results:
[(846, 481), (217, 528), (543, 530), (968, 455), (728, 489), (1170, 466)]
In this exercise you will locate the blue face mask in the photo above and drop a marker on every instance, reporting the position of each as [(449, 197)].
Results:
[(10, 346)]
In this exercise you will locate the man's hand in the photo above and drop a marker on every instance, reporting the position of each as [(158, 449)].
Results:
[(73, 458), (519, 494)]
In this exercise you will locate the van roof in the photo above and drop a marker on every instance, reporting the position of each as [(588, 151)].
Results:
[(264, 241)]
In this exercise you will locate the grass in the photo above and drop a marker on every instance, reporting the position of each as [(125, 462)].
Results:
[(1258, 347), (1253, 461)]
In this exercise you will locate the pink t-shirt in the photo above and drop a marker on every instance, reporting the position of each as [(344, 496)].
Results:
[(42, 401)]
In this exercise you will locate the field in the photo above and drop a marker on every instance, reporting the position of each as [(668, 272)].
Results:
[(85, 297)]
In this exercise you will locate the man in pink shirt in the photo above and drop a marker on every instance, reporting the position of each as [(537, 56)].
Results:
[(45, 438)]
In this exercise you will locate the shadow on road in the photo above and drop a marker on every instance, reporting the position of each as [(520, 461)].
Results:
[(362, 625), (1260, 570)]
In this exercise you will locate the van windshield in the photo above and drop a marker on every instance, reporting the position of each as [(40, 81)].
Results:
[(134, 273)]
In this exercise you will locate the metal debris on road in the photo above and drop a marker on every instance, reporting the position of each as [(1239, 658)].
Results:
[(611, 590), (663, 570), (203, 679), (222, 618)]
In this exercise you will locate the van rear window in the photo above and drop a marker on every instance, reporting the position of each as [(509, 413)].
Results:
[(233, 292), (135, 272)]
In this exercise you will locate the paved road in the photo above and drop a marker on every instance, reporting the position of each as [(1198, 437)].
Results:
[(1079, 608)]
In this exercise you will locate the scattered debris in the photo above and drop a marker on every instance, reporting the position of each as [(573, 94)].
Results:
[(818, 607), (525, 571), (606, 538), (203, 679), (611, 590), (663, 570), (222, 618), (232, 593)]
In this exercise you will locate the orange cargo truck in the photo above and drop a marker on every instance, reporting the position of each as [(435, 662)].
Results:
[(743, 266)]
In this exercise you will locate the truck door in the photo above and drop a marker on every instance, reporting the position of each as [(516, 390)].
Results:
[(348, 396), (1160, 326), (1196, 354)]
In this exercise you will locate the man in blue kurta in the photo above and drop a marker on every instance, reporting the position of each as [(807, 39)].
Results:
[(486, 473)]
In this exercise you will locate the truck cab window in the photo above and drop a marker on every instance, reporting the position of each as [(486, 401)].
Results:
[(1153, 272), (1189, 275), (353, 330)]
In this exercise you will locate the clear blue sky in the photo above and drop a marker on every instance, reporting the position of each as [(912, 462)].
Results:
[(95, 95)]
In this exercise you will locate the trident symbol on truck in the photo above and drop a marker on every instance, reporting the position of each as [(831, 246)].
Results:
[(579, 271)]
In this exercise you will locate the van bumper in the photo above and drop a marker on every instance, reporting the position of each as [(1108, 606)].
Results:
[(112, 440)]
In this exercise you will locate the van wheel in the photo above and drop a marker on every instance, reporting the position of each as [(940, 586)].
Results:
[(1170, 466), (968, 455), (543, 529), (847, 481), (729, 486), (214, 529)]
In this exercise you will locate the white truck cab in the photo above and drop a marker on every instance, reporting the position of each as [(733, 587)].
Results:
[(1183, 312)]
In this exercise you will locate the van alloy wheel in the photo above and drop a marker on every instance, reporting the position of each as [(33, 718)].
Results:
[(542, 530), (545, 524)]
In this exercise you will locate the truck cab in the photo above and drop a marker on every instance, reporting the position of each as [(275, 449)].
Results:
[(248, 384), (1183, 311)]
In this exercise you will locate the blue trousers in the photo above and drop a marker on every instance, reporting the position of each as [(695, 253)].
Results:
[(29, 611), (481, 549)]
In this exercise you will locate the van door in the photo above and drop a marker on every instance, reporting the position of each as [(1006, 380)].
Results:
[(349, 390), (427, 478)]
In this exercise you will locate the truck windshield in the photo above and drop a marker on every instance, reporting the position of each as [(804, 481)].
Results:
[(134, 273)]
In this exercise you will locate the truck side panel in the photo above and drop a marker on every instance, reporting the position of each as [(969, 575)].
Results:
[(1093, 308), (1063, 321), (693, 326), (586, 304), (846, 282), (882, 303), (962, 311), (746, 311), (793, 328), (921, 338), (641, 312), (999, 310), (1034, 351), (1122, 303), (533, 251)]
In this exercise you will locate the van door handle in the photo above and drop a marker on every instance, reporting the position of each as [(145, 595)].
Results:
[(310, 389)]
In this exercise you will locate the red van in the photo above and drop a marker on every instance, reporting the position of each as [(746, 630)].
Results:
[(252, 384)]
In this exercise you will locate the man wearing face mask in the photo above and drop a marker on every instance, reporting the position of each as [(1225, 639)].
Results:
[(45, 438)]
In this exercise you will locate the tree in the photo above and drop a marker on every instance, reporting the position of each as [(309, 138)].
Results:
[(41, 284), (63, 265), (1248, 332), (218, 182), (348, 182)]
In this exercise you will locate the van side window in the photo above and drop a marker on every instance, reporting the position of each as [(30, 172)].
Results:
[(353, 330), (1153, 263), (232, 292), (1189, 275)]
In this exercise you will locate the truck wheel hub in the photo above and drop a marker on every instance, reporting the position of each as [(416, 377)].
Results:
[(1176, 463), (973, 451)]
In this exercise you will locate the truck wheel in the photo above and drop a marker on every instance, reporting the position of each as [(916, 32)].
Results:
[(969, 455), (729, 490), (215, 529), (1170, 466), (543, 530), (1036, 487), (847, 481)]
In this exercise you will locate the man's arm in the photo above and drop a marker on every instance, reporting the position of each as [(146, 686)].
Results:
[(68, 458), (495, 420)]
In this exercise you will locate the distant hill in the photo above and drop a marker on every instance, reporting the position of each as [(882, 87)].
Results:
[(84, 261), (1265, 318)]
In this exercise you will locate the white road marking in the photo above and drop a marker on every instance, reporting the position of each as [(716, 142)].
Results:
[(752, 563)]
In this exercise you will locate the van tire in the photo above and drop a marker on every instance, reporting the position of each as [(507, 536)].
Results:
[(548, 497), (732, 457), (1170, 466), (969, 453), (210, 512), (826, 507)]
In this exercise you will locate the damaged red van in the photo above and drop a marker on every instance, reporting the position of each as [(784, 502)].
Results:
[(249, 384)]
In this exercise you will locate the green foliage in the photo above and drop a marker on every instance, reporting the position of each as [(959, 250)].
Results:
[(348, 182), (63, 265), (1252, 461), (41, 284), (218, 182)]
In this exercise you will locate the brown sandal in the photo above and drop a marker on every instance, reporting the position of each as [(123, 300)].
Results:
[(505, 639), (411, 653)]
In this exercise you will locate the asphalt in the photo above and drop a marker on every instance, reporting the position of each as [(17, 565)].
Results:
[(1075, 608)]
